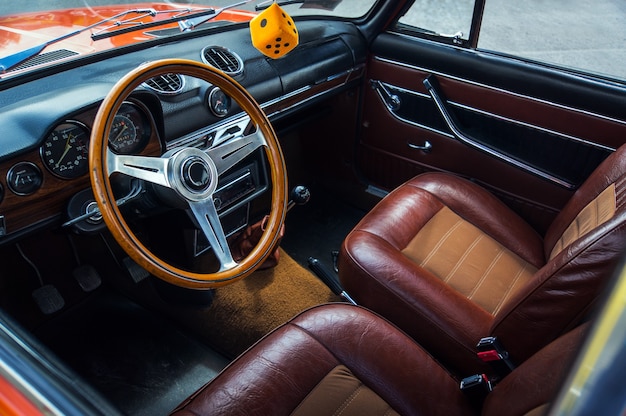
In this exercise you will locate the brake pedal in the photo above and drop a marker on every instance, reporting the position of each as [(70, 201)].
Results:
[(48, 299), (87, 277), (137, 273)]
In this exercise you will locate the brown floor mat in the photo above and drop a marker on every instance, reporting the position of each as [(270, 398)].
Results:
[(241, 313)]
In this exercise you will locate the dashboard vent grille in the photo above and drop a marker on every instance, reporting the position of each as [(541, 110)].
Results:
[(166, 84), (223, 59), (44, 58)]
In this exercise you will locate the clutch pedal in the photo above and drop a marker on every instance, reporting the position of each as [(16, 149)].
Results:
[(48, 299)]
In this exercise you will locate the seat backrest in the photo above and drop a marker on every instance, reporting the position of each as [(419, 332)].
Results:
[(582, 246)]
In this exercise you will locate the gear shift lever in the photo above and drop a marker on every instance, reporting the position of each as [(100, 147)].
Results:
[(300, 195)]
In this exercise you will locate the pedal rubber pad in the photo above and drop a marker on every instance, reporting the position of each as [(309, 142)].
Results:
[(137, 273), (87, 277), (48, 299)]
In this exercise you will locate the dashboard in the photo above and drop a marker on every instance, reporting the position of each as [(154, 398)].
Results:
[(47, 121)]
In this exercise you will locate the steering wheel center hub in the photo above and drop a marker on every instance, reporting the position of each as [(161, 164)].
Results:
[(196, 174), (192, 174)]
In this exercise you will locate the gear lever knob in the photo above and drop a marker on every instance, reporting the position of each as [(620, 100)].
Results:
[(300, 195)]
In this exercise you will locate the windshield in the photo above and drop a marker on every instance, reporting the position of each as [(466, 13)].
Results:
[(339, 8), (32, 30)]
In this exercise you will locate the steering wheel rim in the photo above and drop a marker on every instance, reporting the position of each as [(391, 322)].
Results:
[(103, 192)]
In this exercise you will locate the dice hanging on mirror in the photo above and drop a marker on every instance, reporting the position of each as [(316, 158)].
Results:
[(273, 32)]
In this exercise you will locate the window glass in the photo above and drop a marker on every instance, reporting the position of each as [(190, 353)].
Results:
[(580, 34), (441, 17), (588, 36)]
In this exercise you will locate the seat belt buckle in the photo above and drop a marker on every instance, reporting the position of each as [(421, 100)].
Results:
[(476, 387), (491, 351)]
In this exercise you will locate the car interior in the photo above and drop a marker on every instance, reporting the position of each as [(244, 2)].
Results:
[(375, 221)]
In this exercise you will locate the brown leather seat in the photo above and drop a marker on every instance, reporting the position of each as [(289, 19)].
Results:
[(449, 263), (344, 359)]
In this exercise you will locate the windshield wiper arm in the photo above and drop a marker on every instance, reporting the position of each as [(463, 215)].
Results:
[(192, 22), (137, 25), (264, 5), (17, 58), (185, 21)]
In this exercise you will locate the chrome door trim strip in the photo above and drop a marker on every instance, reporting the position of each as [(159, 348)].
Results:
[(515, 94), (473, 143), (532, 126), (493, 115), (405, 120)]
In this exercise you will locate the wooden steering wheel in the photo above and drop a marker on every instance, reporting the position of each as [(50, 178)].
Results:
[(191, 173)]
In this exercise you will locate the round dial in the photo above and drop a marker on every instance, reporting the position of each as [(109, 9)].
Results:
[(64, 152), (24, 178), (130, 131), (219, 102), (123, 133)]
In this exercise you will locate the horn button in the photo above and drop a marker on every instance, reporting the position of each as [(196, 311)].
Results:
[(193, 174), (196, 174)]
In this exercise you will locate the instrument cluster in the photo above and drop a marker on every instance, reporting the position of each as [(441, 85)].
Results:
[(64, 152)]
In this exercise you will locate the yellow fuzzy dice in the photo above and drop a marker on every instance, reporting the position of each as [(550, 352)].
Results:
[(273, 32)]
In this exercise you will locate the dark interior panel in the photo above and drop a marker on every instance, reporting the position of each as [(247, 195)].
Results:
[(531, 146)]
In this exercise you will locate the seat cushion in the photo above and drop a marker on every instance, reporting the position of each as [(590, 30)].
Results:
[(470, 261), (341, 393), (393, 262), (331, 344)]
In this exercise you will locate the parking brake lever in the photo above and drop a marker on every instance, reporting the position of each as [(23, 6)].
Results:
[(329, 279)]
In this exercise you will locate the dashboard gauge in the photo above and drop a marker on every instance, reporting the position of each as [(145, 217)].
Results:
[(219, 102), (64, 152), (24, 178), (130, 131)]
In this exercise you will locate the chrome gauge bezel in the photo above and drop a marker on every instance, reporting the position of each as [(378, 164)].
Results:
[(219, 102), (24, 178), (66, 157), (138, 131)]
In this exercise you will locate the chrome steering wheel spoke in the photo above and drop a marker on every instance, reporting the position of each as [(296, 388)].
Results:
[(208, 219), (228, 154), (149, 169)]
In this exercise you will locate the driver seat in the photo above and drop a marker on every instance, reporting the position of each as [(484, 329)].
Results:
[(449, 263), (343, 359)]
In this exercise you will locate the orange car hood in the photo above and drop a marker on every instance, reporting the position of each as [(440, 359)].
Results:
[(24, 31)]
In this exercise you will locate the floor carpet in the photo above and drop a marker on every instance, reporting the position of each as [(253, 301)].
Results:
[(241, 313)]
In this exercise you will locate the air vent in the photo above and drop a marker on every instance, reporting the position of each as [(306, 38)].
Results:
[(223, 59), (168, 84)]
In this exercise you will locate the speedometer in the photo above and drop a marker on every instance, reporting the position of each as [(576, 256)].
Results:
[(64, 152), (130, 131)]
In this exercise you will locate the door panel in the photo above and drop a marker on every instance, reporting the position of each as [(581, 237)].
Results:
[(528, 133)]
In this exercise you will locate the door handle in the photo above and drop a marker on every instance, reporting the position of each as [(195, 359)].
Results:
[(426, 147)]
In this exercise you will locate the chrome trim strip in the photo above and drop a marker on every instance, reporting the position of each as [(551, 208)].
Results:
[(492, 152), (539, 100), (347, 78), (470, 142), (211, 132), (532, 126), (405, 120)]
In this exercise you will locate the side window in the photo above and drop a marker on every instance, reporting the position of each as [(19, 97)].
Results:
[(576, 34), (447, 19)]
